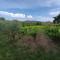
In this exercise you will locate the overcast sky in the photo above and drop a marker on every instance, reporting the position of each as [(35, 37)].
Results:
[(38, 10)]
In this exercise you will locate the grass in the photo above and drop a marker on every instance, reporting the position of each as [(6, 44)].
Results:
[(9, 51), (54, 33)]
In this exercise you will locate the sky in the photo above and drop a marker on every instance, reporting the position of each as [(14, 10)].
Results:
[(31, 10)]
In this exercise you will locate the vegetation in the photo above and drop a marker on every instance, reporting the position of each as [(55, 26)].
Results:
[(57, 19), (29, 40)]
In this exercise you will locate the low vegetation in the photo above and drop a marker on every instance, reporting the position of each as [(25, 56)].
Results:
[(29, 40)]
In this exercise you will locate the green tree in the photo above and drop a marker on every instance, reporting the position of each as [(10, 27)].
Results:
[(38, 23), (57, 19), (1, 18)]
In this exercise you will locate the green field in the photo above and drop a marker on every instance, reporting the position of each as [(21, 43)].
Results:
[(18, 42)]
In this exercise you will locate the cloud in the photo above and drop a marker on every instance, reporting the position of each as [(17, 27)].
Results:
[(54, 12), (19, 16), (29, 16), (44, 18), (11, 15), (24, 17)]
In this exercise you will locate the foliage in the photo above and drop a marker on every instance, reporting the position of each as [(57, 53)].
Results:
[(54, 33), (57, 19), (1, 18), (10, 32), (31, 23)]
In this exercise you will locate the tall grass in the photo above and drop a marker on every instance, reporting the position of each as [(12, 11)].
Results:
[(9, 51), (54, 33)]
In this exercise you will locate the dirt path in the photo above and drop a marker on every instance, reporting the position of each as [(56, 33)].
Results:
[(40, 40), (44, 41)]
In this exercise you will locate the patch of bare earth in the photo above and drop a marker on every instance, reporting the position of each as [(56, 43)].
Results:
[(41, 40), (45, 42)]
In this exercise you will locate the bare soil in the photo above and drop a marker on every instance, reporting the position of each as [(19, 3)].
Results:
[(41, 40)]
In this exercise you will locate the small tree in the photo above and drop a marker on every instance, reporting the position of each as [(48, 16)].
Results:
[(1, 18), (38, 23), (57, 19)]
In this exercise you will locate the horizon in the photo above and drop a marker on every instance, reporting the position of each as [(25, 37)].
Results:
[(32, 10)]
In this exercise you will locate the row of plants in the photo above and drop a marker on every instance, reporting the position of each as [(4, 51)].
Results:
[(31, 30), (53, 32)]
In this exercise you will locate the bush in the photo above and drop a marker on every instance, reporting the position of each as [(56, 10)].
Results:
[(54, 33)]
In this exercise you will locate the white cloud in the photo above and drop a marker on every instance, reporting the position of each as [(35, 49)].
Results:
[(12, 15), (19, 16), (29, 16), (23, 17), (54, 13), (44, 18)]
